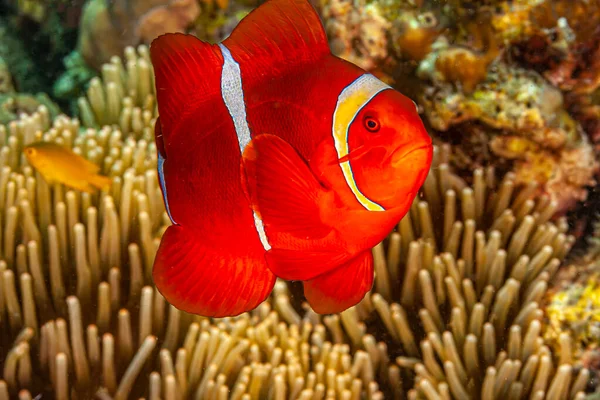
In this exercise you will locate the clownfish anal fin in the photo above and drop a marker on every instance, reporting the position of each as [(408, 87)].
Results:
[(279, 31), (282, 188), (187, 72), (342, 287), (302, 265), (213, 281)]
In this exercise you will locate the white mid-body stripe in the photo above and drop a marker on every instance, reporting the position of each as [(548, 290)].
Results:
[(350, 101), (233, 96)]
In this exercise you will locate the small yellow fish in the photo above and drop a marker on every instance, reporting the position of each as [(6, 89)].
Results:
[(58, 164)]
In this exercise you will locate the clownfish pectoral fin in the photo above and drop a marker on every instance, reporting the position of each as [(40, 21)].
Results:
[(210, 281), (288, 198), (354, 154), (185, 70), (279, 32), (342, 287), (283, 189)]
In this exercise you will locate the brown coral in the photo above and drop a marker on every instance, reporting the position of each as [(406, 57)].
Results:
[(357, 32), (461, 65), (107, 27), (414, 32)]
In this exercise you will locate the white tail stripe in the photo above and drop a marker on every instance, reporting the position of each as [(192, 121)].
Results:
[(161, 180), (233, 96)]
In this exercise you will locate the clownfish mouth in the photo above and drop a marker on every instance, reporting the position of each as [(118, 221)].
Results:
[(399, 157)]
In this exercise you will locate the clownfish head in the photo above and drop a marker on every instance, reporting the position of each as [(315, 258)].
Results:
[(381, 145)]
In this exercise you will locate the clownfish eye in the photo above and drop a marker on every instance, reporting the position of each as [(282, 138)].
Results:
[(371, 124)]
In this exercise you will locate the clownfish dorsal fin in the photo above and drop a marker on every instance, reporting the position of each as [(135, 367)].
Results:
[(187, 73), (279, 32)]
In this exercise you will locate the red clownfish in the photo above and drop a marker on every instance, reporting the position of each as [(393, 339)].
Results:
[(277, 159)]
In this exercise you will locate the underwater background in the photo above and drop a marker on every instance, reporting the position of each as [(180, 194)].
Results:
[(487, 289)]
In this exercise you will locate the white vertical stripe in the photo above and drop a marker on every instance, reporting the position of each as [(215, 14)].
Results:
[(233, 96), (350, 101)]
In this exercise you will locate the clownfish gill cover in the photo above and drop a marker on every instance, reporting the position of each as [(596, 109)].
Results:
[(277, 159)]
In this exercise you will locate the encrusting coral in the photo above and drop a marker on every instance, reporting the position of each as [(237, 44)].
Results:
[(573, 302), (357, 31), (471, 80), (525, 121), (573, 315)]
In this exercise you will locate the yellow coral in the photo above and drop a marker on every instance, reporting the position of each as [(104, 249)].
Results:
[(575, 311)]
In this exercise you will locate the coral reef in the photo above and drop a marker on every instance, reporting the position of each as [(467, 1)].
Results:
[(471, 299), (565, 49), (525, 121), (414, 35), (573, 315), (467, 56), (13, 104), (357, 32), (25, 74), (71, 83), (6, 84), (108, 27), (449, 61), (573, 302), (218, 18)]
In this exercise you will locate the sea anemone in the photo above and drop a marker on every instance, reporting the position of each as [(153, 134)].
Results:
[(124, 96)]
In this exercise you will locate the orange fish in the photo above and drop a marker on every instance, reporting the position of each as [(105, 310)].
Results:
[(277, 159), (59, 164)]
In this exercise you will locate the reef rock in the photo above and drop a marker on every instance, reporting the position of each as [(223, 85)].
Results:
[(526, 123)]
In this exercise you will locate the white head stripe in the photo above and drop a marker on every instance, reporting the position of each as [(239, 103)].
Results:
[(233, 96), (161, 180), (350, 101)]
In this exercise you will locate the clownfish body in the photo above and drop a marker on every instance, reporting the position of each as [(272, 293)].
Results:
[(277, 159)]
